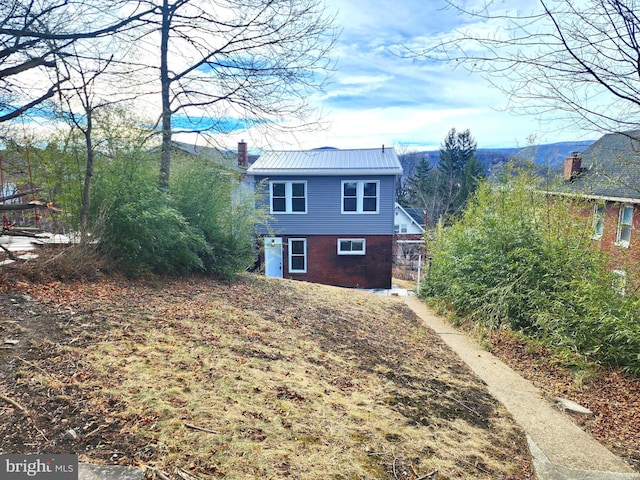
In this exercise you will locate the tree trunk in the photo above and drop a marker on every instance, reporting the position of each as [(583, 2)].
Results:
[(22, 206), (86, 192), (165, 82)]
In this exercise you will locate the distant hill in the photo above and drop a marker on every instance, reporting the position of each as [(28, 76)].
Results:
[(549, 157)]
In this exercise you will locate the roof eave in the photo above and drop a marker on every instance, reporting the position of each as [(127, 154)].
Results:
[(606, 198), (267, 172)]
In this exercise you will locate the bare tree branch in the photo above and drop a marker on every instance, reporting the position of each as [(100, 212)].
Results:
[(575, 60)]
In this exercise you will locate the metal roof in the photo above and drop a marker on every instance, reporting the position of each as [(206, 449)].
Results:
[(371, 161)]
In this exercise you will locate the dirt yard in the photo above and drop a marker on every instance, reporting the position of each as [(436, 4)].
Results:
[(195, 378)]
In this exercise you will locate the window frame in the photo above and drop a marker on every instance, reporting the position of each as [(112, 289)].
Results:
[(623, 226), (360, 197), (599, 211), (288, 197), (619, 283), (352, 252), (290, 255)]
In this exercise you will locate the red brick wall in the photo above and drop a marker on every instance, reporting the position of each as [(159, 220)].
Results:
[(622, 258), (324, 265)]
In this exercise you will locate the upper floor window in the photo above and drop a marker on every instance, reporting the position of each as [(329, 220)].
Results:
[(288, 197), (359, 196), (625, 224), (598, 221)]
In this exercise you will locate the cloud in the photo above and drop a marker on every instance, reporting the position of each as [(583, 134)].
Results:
[(378, 95)]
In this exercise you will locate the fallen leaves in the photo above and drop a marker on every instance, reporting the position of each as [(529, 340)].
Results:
[(257, 378)]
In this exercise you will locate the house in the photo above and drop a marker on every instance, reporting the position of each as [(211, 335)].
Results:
[(224, 158), (408, 242), (608, 174), (332, 215), (408, 221)]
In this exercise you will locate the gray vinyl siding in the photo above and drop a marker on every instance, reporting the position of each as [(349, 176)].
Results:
[(324, 197)]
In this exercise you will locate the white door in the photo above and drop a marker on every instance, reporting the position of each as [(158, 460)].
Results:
[(273, 257)]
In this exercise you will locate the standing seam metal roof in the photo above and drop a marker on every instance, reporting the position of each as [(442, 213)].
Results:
[(328, 162)]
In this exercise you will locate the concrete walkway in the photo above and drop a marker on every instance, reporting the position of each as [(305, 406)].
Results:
[(561, 450)]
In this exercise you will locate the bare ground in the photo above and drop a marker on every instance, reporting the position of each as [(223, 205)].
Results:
[(253, 379)]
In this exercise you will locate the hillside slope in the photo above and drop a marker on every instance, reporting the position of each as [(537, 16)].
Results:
[(260, 378)]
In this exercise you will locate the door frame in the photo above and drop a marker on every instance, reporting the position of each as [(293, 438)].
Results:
[(273, 252)]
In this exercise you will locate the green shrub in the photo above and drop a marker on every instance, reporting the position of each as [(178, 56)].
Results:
[(523, 260), (137, 226), (146, 235), (212, 199), (205, 222)]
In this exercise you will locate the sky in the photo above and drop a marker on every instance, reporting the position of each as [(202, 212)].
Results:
[(376, 96)]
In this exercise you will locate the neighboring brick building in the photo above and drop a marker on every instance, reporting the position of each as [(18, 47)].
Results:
[(608, 174), (332, 215)]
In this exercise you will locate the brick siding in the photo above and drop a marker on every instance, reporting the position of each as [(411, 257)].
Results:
[(622, 258), (324, 265)]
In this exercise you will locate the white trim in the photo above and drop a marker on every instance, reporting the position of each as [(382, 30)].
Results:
[(619, 242), (270, 243), (330, 172), (304, 255), (288, 197), (359, 197), (619, 281), (598, 218), (635, 201), (411, 219), (353, 252), (410, 241)]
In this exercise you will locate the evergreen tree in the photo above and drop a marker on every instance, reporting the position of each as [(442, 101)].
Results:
[(419, 184), (443, 191), (457, 166)]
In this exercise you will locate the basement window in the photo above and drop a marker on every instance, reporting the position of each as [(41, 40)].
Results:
[(351, 246), (297, 255)]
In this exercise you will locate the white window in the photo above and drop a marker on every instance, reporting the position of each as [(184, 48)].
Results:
[(351, 246), (598, 221), (625, 224), (288, 197), (619, 281), (297, 255), (359, 196)]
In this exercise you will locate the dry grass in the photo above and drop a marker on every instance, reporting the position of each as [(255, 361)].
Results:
[(273, 379)]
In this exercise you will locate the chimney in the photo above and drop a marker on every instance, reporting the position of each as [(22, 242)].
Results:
[(572, 166), (243, 154)]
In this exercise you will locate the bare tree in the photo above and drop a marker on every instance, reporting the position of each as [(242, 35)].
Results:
[(228, 63), (36, 34), (579, 60), (79, 102)]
